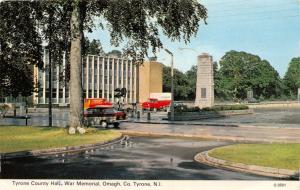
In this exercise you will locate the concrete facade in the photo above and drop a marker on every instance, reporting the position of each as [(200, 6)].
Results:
[(205, 82), (150, 79), (101, 75)]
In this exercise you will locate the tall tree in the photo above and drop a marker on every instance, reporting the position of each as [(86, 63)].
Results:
[(182, 87), (292, 77), (93, 47), (19, 48), (241, 71), (115, 52), (192, 79), (131, 20), (137, 22)]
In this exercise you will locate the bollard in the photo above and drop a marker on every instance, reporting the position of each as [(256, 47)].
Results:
[(26, 116), (132, 113), (15, 112), (138, 114), (148, 116), (26, 120)]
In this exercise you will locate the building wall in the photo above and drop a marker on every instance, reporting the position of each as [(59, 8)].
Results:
[(150, 79), (101, 76)]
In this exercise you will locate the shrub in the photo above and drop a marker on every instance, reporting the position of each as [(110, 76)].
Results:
[(213, 109), (3, 109)]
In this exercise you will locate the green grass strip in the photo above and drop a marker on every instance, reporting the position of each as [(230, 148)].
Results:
[(19, 138), (285, 156)]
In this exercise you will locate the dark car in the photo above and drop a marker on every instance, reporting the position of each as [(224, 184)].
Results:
[(120, 115), (101, 117)]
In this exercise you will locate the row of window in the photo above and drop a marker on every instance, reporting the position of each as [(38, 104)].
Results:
[(60, 95)]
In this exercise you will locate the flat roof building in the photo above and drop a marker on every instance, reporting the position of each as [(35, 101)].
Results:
[(151, 79), (101, 75)]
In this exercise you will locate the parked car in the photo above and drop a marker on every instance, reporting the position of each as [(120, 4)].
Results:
[(120, 114), (102, 117)]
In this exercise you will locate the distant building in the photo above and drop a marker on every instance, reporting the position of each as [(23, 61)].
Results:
[(101, 76)]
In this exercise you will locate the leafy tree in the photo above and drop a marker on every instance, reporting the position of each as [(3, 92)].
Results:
[(292, 77), (181, 83), (266, 81), (18, 48), (136, 21), (93, 47), (115, 52), (192, 81), (241, 71)]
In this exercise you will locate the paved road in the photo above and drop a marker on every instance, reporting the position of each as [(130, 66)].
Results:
[(268, 117), (280, 117), (140, 158), (253, 134)]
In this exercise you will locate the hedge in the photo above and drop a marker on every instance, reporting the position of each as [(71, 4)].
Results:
[(184, 108)]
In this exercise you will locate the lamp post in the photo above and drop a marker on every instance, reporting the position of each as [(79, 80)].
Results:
[(172, 84)]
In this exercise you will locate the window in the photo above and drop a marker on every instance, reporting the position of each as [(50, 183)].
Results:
[(203, 92), (60, 93), (108, 111)]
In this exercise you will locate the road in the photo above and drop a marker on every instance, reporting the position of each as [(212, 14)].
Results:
[(279, 117), (138, 158)]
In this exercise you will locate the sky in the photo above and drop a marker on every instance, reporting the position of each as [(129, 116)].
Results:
[(268, 28)]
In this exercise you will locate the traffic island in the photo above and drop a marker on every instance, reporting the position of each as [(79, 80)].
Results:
[(277, 160), (19, 141)]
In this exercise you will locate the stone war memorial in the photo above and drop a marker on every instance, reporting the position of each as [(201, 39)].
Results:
[(205, 82)]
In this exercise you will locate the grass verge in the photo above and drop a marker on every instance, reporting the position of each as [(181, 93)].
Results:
[(17, 138), (285, 156)]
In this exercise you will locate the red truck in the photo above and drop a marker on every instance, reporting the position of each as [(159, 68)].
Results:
[(157, 101)]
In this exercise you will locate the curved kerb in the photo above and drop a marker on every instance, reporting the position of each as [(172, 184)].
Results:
[(204, 158)]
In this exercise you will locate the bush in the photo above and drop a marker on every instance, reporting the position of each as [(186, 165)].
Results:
[(214, 108), (184, 108), (4, 109), (230, 107)]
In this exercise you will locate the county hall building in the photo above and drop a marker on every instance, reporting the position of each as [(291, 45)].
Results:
[(101, 75)]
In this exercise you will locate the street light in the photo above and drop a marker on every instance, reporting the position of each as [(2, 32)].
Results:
[(172, 84)]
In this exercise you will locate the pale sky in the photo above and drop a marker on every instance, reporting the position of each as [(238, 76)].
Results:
[(268, 28)]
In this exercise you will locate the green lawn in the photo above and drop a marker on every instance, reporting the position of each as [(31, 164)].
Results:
[(17, 138), (285, 156)]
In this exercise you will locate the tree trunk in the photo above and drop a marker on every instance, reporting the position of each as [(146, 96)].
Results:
[(75, 119)]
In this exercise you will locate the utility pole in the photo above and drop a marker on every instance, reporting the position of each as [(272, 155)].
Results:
[(172, 84)]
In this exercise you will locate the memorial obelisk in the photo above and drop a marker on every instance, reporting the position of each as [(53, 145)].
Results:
[(205, 82)]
